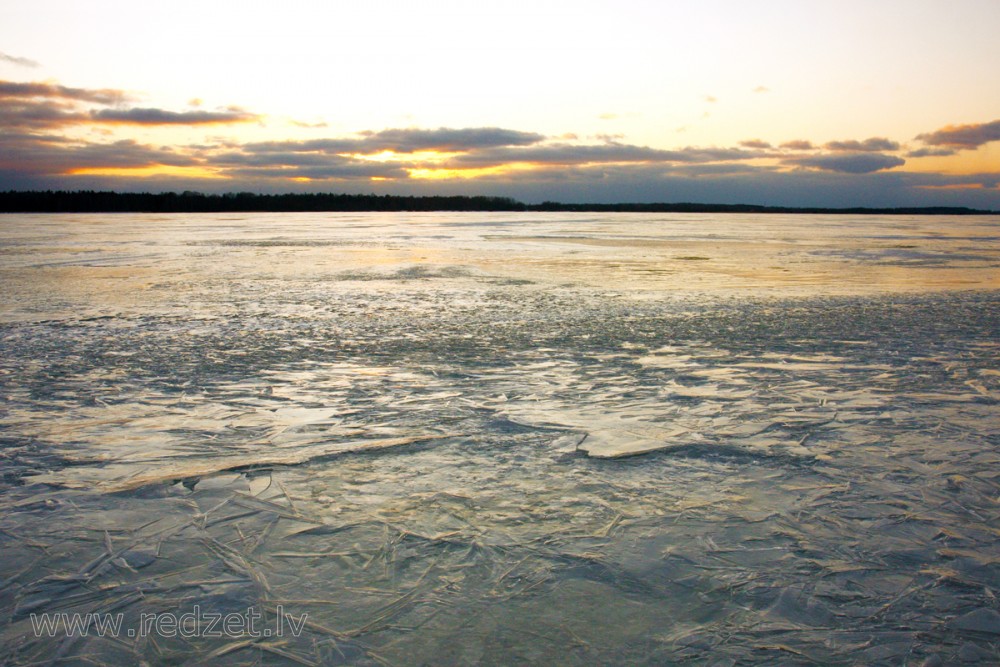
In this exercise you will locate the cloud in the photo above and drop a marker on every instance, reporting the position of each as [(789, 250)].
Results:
[(49, 162), (282, 160), (288, 165), (411, 140), (338, 159), (478, 160), (37, 114), (717, 169), (340, 172), (798, 145), (711, 99), (872, 145), (329, 146), (147, 116), (932, 152), (331, 158), (572, 154), (343, 159), (853, 163), (963, 136), (15, 60), (447, 140), (46, 114), (301, 123), (42, 106), (105, 96), (127, 153), (761, 89), (53, 155)]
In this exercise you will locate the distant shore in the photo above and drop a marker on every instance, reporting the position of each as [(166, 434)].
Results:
[(197, 202)]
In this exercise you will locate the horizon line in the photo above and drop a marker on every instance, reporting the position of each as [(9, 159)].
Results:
[(188, 201)]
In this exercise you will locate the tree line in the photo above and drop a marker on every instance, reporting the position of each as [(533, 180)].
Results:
[(89, 201)]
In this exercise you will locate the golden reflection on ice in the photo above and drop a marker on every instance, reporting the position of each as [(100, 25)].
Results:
[(128, 260)]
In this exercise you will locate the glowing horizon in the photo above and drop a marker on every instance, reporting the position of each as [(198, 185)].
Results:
[(776, 103)]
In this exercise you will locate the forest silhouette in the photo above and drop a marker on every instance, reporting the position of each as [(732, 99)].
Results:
[(89, 201)]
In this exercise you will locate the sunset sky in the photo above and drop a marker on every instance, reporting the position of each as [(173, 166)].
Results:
[(868, 102)]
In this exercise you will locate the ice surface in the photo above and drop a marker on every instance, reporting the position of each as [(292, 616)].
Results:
[(503, 439)]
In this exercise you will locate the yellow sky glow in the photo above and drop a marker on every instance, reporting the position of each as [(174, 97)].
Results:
[(447, 174), (145, 172), (985, 159)]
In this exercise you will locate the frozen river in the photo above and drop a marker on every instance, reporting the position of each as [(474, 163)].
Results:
[(502, 438)]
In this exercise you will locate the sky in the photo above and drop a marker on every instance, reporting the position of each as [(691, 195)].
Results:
[(773, 102)]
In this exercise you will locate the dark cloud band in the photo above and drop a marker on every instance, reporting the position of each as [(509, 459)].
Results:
[(963, 136), (873, 145), (137, 116), (410, 140), (42, 106), (854, 163), (105, 96)]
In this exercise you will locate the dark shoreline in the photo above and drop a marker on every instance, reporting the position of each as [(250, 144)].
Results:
[(245, 202)]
